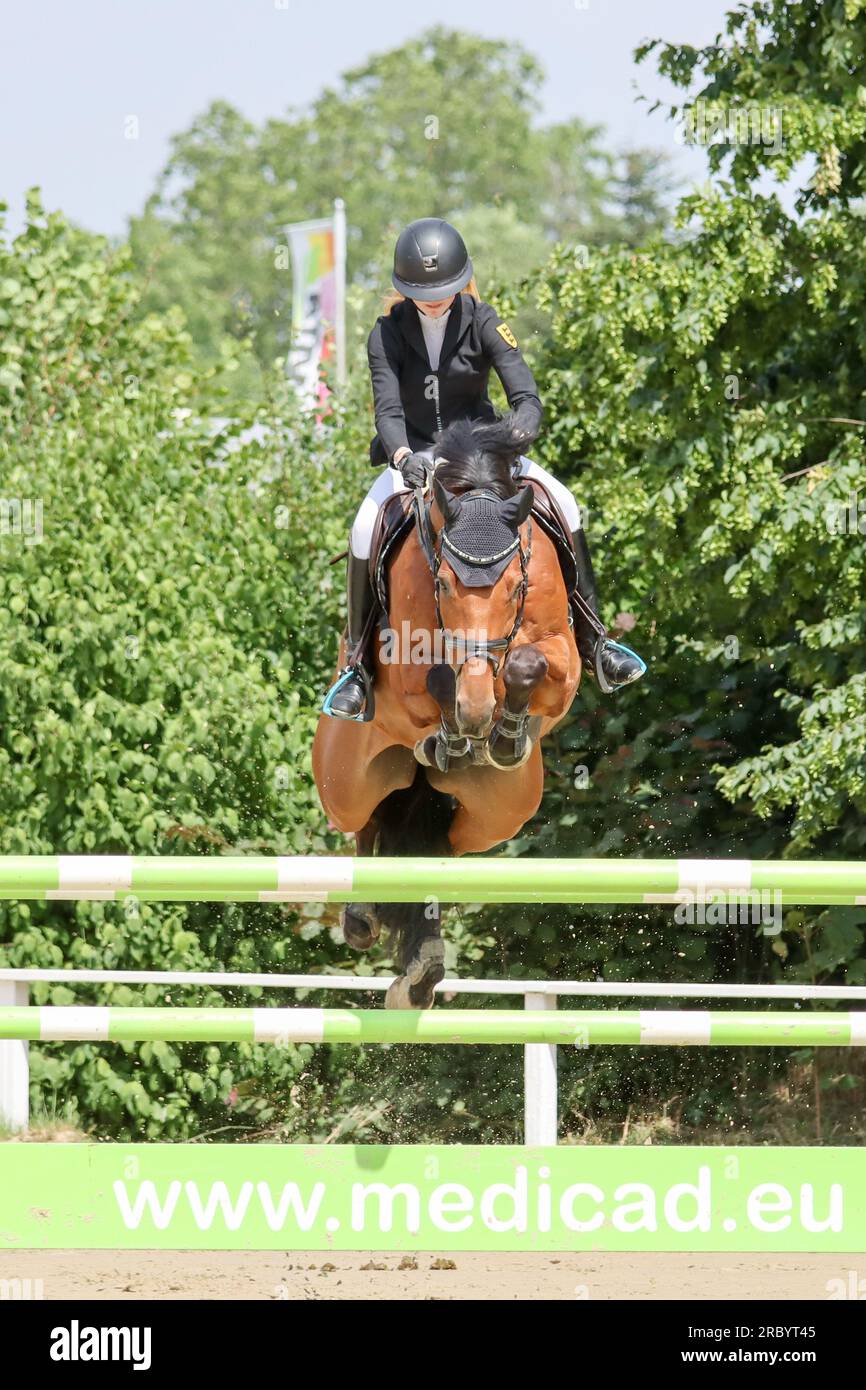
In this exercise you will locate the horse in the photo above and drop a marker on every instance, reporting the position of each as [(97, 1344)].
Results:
[(450, 763)]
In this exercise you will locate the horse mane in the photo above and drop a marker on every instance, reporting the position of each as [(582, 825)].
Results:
[(474, 454)]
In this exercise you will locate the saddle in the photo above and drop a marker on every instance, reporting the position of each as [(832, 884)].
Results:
[(396, 518)]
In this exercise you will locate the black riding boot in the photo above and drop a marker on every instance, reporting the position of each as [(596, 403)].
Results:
[(609, 662), (348, 695)]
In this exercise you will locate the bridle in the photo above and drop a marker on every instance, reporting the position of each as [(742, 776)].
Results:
[(458, 649)]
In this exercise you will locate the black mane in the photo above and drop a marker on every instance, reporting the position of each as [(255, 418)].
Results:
[(479, 454)]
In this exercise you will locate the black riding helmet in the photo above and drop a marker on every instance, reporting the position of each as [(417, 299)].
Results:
[(430, 260)]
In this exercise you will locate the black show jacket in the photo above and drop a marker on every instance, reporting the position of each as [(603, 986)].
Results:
[(412, 402)]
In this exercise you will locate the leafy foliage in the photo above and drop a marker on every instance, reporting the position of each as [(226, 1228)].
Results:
[(444, 124), (165, 639), (168, 617), (705, 395)]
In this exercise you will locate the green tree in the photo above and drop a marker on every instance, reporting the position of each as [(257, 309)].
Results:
[(168, 619), (643, 188), (706, 397), (790, 75), (445, 124)]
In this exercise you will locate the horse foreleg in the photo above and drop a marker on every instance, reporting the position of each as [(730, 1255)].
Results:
[(511, 742), (446, 750), (422, 972)]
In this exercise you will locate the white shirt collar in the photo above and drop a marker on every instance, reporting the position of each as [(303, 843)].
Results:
[(434, 336)]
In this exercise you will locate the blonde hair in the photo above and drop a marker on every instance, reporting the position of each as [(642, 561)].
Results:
[(395, 297)]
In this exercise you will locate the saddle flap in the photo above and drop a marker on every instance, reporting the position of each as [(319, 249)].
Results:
[(548, 514), (393, 521)]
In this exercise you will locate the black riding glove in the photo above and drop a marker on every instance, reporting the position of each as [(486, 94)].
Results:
[(414, 470), (526, 423)]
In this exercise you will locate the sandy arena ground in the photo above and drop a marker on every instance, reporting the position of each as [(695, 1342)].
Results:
[(178, 1275)]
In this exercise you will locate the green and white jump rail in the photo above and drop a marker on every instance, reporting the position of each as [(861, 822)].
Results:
[(575, 1028), (344, 878)]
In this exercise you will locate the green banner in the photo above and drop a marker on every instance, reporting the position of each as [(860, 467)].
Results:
[(442, 1197)]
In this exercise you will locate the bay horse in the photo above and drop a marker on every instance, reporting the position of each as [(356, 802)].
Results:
[(450, 762)]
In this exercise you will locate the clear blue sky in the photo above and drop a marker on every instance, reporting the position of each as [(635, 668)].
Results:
[(72, 71)]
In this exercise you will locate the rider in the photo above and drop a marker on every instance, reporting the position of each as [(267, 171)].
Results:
[(430, 357)]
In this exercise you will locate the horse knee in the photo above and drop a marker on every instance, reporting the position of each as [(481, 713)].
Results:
[(525, 669), (442, 685)]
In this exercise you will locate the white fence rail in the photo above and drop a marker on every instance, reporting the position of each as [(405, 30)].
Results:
[(540, 1059)]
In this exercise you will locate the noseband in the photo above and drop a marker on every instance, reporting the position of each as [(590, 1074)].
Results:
[(460, 651)]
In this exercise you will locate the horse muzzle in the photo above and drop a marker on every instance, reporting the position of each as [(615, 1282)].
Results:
[(475, 699)]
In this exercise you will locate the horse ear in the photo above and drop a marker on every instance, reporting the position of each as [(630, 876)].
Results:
[(448, 504), (514, 510)]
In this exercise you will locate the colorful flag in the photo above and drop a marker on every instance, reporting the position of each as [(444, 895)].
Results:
[(318, 286)]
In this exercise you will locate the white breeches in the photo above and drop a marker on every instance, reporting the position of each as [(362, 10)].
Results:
[(391, 481)]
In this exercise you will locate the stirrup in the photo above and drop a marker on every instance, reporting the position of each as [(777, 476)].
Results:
[(603, 683), (368, 708)]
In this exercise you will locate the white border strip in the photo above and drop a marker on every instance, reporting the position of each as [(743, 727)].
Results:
[(731, 875), (61, 1023), (283, 1026), (310, 880), (858, 1027), (91, 877), (675, 1026)]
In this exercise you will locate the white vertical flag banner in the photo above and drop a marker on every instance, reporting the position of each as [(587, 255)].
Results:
[(318, 302)]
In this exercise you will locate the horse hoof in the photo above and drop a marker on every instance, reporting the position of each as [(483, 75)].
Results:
[(397, 994), (360, 931), (510, 761), (415, 989)]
